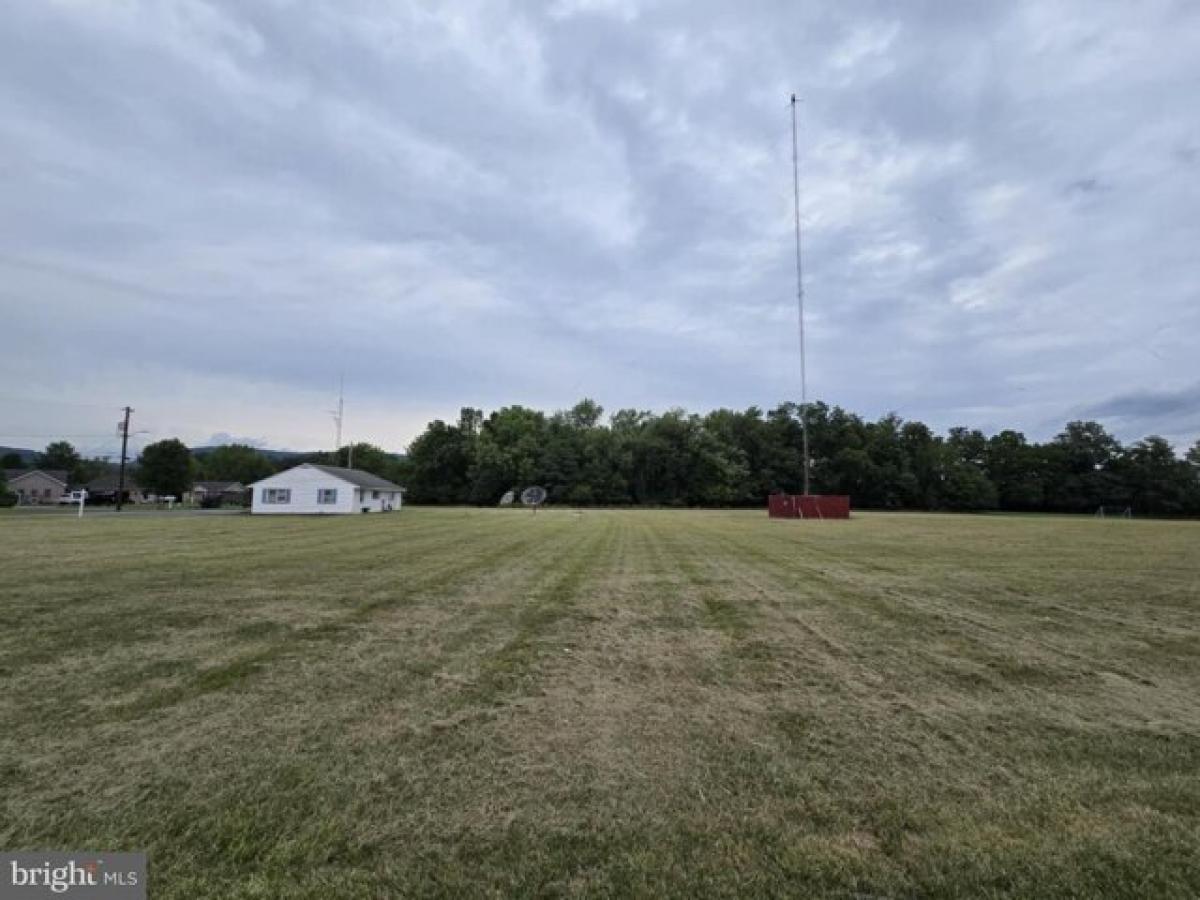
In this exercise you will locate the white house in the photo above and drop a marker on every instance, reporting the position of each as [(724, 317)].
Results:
[(310, 489)]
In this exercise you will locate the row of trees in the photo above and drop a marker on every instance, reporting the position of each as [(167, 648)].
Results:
[(165, 468), (724, 458), (169, 468), (732, 458), (59, 456)]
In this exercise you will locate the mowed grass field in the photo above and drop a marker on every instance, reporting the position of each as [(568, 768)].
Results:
[(492, 703)]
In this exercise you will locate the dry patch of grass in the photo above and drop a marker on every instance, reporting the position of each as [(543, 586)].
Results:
[(449, 703)]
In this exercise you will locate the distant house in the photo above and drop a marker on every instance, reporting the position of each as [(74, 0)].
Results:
[(36, 486), (311, 489), (104, 490), (208, 493)]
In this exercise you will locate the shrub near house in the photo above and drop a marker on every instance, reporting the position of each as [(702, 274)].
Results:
[(7, 497), (212, 494)]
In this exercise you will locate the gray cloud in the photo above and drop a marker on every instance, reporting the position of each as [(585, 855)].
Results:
[(213, 208), (1150, 405), (1172, 413)]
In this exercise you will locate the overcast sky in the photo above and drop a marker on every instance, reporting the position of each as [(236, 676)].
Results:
[(208, 210)]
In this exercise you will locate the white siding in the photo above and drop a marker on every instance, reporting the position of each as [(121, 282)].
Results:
[(365, 499), (304, 482)]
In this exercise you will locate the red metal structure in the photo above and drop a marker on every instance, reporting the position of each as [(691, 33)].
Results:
[(808, 506)]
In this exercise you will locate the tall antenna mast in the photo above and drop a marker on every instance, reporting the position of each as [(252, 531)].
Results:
[(337, 413), (800, 301)]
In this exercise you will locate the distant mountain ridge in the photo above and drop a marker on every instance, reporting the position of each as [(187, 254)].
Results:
[(27, 456), (273, 455), (280, 456)]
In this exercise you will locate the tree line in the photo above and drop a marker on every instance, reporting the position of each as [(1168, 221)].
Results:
[(725, 458), (737, 458), (164, 468)]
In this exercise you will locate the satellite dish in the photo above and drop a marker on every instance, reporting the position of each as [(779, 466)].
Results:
[(533, 496), (507, 499)]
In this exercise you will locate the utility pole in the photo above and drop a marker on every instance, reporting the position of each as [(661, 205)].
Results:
[(124, 427), (800, 301)]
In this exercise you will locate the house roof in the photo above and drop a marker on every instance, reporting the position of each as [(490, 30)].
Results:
[(359, 478), (356, 477), (107, 483), (59, 475), (218, 487)]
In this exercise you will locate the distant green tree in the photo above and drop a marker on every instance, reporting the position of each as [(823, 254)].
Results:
[(855, 474), (1193, 491), (561, 457), (87, 469), (361, 455), (1014, 468), (1079, 469), (1193, 455), (12, 461), (58, 455), (717, 466), (438, 462), (1088, 445), (7, 497), (965, 483), (1158, 482), (585, 414), (62, 455), (782, 452), (885, 446), (674, 461), (965, 487), (740, 437), (235, 462), (166, 468), (509, 453), (922, 476), (368, 458), (470, 422), (602, 468)]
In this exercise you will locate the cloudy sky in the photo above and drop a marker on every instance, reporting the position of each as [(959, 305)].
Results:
[(208, 210)]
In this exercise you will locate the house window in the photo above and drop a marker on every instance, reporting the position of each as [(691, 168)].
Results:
[(374, 495), (277, 495), (327, 495)]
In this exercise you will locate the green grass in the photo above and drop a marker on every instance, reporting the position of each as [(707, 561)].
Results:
[(490, 703)]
